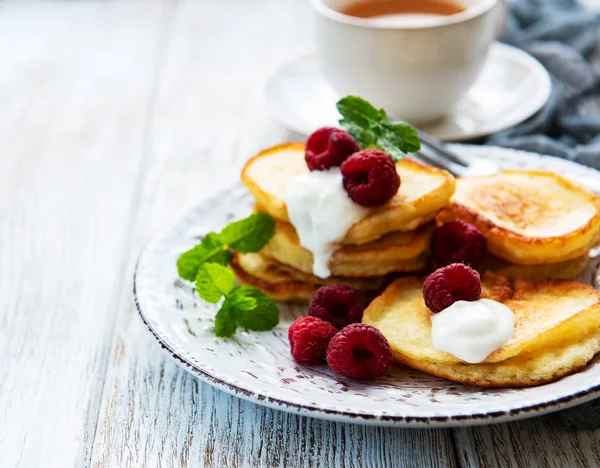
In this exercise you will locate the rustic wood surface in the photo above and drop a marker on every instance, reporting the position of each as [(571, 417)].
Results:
[(115, 116)]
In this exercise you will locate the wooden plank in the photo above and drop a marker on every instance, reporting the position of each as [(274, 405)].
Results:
[(538, 442), (208, 119), (75, 85)]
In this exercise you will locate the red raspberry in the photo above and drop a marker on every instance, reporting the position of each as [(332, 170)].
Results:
[(455, 282), (370, 177), (309, 337), (339, 304), (328, 147), (458, 242), (359, 351)]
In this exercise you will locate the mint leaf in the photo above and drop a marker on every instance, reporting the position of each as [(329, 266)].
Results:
[(211, 249), (372, 129), (249, 234), (225, 321), (206, 265), (360, 111), (365, 138), (402, 135), (264, 316), (214, 281), (244, 302), (246, 307)]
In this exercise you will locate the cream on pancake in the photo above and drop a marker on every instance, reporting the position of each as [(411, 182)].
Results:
[(551, 316), (283, 283), (394, 252), (424, 190)]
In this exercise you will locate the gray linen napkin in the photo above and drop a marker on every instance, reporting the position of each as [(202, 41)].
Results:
[(563, 37)]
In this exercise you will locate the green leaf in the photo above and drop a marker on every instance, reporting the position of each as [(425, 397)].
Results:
[(206, 264), (264, 316), (211, 249), (360, 111), (371, 129), (249, 234), (400, 135), (365, 138), (243, 302), (214, 281), (225, 321)]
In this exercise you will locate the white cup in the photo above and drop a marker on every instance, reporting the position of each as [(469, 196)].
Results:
[(417, 72)]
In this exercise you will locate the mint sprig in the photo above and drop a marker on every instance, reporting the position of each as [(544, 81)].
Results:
[(254, 309), (214, 281), (211, 249), (246, 235), (250, 234), (371, 128), (244, 306)]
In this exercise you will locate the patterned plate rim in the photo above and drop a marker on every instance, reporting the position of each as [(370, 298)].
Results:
[(471, 418)]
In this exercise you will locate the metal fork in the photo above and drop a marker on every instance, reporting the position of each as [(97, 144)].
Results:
[(435, 153)]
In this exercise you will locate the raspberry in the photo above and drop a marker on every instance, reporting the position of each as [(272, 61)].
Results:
[(328, 147), (359, 351), (370, 177), (339, 304), (309, 337), (455, 282), (458, 242)]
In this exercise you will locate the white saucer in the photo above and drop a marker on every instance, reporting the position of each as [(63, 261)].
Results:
[(511, 88)]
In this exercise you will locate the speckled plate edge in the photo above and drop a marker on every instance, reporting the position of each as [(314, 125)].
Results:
[(471, 418)]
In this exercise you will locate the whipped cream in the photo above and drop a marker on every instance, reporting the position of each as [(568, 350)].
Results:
[(472, 331), (322, 213)]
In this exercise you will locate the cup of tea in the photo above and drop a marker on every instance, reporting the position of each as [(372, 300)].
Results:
[(415, 58)]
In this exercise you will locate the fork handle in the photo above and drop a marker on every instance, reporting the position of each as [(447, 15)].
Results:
[(439, 147)]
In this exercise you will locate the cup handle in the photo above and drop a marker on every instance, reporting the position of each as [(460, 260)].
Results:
[(502, 9)]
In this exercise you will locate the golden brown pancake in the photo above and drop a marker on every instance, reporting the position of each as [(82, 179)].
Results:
[(524, 370), (283, 283), (424, 190), (528, 217), (557, 331), (569, 269), (395, 252)]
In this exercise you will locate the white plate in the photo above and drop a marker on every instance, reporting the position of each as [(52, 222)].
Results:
[(511, 88), (258, 366)]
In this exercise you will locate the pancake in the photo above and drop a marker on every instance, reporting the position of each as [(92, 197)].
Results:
[(526, 370), (569, 269), (283, 283), (556, 331), (424, 190), (528, 217), (395, 252)]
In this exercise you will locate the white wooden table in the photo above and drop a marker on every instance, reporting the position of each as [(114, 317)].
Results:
[(113, 117)]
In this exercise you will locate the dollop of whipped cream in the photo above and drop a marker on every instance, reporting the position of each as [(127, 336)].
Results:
[(322, 213), (472, 331)]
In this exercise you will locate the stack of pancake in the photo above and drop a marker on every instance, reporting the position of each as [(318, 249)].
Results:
[(557, 331), (393, 238), (538, 224)]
